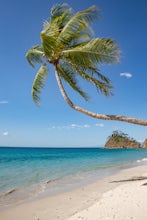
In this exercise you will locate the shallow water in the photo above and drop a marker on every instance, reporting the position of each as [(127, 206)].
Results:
[(28, 172)]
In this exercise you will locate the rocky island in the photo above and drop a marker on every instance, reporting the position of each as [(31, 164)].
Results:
[(119, 139), (144, 146)]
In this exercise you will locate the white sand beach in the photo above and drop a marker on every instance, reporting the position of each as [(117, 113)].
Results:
[(102, 200), (128, 201)]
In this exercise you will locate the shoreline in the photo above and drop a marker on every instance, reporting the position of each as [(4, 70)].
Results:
[(70, 204), (31, 174), (18, 196)]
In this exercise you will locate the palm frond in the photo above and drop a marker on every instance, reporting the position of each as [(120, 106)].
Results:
[(62, 18), (38, 83), (104, 85), (35, 55), (95, 51), (80, 37), (102, 77), (93, 70), (60, 14), (67, 74), (51, 30), (77, 23), (58, 10), (48, 37), (70, 57)]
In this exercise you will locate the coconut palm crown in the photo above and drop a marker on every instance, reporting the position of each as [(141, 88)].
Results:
[(67, 43)]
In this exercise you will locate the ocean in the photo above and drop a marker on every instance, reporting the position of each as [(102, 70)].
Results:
[(26, 173)]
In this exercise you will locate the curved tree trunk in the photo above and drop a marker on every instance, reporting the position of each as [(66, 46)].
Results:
[(95, 115)]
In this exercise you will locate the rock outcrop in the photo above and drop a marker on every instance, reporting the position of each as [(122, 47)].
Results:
[(120, 140), (144, 144)]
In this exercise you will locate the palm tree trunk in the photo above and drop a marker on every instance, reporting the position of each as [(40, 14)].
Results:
[(95, 115)]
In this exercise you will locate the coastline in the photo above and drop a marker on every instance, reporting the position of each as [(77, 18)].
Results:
[(103, 197)]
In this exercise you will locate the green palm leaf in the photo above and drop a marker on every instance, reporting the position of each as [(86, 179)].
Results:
[(60, 15), (101, 86), (79, 37), (77, 23), (92, 70), (94, 52), (35, 55), (58, 10), (67, 74), (38, 84), (48, 37)]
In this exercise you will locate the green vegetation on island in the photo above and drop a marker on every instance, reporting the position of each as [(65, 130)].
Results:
[(119, 139)]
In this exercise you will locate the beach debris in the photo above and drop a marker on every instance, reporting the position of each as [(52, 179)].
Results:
[(136, 178), (145, 184), (8, 192)]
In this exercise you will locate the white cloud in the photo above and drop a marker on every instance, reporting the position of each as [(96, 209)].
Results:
[(3, 102), (71, 126), (86, 126), (79, 126), (127, 75), (5, 133), (76, 126), (99, 125)]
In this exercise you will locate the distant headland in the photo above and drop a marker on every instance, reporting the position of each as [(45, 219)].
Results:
[(119, 140)]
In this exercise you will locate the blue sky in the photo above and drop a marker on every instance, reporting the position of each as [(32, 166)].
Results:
[(55, 124)]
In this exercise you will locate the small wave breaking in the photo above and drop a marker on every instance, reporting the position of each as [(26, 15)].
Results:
[(142, 160)]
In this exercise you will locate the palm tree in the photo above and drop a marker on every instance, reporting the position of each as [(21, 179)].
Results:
[(67, 43)]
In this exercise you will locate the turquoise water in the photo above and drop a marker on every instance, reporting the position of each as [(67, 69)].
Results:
[(27, 172)]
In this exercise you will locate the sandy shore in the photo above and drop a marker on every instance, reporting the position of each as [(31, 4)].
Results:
[(105, 199)]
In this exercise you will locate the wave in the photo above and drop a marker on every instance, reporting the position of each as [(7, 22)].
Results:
[(142, 160)]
